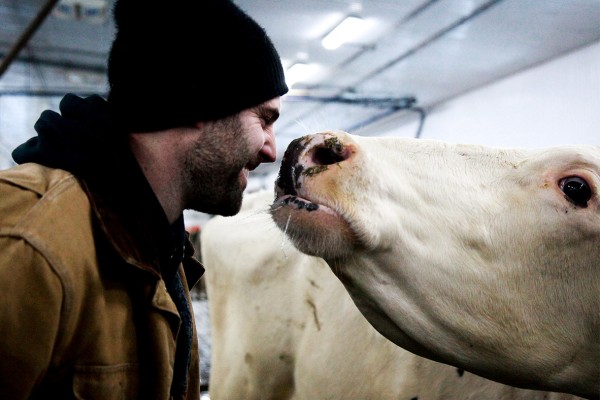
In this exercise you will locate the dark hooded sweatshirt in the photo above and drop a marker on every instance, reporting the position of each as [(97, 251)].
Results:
[(84, 141)]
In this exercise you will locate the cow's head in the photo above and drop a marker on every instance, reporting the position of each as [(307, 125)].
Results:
[(484, 258)]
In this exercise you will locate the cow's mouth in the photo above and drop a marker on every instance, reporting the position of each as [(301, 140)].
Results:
[(300, 203), (288, 187), (295, 201), (314, 228)]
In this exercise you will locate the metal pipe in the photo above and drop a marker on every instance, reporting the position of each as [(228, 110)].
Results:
[(398, 103), (479, 10), (22, 41), (100, 69), (47, 92)]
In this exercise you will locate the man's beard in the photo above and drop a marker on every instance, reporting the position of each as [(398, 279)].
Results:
[(212, 169)]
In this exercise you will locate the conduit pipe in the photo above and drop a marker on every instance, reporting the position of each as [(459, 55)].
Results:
[(22, 41)]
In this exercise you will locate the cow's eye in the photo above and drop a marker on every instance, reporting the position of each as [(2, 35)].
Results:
[(577, 190)]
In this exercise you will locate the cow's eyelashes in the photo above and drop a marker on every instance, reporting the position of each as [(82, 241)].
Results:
[(576, 189)]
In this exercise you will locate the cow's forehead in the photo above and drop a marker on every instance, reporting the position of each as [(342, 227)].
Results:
[(392, 162), (559, 155)]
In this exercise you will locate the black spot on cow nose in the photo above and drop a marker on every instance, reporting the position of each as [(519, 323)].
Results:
[(289, 169), (331, 152), (576, 189), (312, 206), (325, 156)]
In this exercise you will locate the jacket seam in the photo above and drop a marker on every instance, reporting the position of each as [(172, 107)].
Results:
[(20, 231), (52, 264)]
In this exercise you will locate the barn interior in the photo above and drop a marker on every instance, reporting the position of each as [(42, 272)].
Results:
[(497, 72), (508, 73)]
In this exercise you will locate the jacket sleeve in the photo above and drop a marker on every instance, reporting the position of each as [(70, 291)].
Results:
[(31, 300)]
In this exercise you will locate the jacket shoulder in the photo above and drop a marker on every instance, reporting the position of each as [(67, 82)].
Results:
[(45, 207), (33, 177)]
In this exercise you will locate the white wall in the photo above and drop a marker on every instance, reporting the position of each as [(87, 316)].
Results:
[(17, 117), (554, 103)]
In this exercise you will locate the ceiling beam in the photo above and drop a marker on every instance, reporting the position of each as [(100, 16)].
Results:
[(73, 65), (24, 38)]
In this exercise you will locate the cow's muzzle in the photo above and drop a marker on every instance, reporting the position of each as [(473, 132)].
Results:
[(308, 156)]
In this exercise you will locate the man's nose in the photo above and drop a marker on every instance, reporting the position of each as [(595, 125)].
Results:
[(269, 149)]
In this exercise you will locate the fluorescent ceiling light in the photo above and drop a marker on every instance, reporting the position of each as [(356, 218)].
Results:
[(297, 72), (347, 30)]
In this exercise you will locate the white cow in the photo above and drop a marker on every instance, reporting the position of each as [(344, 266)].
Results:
[(283, 327), (485, 259)]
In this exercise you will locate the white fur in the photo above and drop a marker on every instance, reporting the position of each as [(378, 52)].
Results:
[(285, 328)]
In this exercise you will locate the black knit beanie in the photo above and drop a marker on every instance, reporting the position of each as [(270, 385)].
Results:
[(177, 62)]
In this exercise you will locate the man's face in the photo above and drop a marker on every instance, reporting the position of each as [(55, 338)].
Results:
[(216, 166)]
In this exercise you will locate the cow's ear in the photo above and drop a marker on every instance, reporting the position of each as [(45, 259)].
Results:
[(576, 189)]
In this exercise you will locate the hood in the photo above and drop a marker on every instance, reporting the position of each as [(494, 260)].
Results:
[(81, 139)]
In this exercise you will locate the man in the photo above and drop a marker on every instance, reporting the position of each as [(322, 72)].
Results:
[(95, 266)]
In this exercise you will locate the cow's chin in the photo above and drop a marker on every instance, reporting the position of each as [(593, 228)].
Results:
[(314, 229)]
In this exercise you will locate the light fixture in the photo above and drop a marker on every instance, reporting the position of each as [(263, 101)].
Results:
[(349, 29), (297, 72)]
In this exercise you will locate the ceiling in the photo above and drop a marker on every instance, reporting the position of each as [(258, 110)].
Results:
[(418, 53)]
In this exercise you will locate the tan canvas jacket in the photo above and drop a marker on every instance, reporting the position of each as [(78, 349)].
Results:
[(83, 311)]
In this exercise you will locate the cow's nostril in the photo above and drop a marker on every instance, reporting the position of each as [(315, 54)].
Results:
[(329, 155)]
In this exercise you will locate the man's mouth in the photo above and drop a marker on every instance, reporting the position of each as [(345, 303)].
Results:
[(251, 166)]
